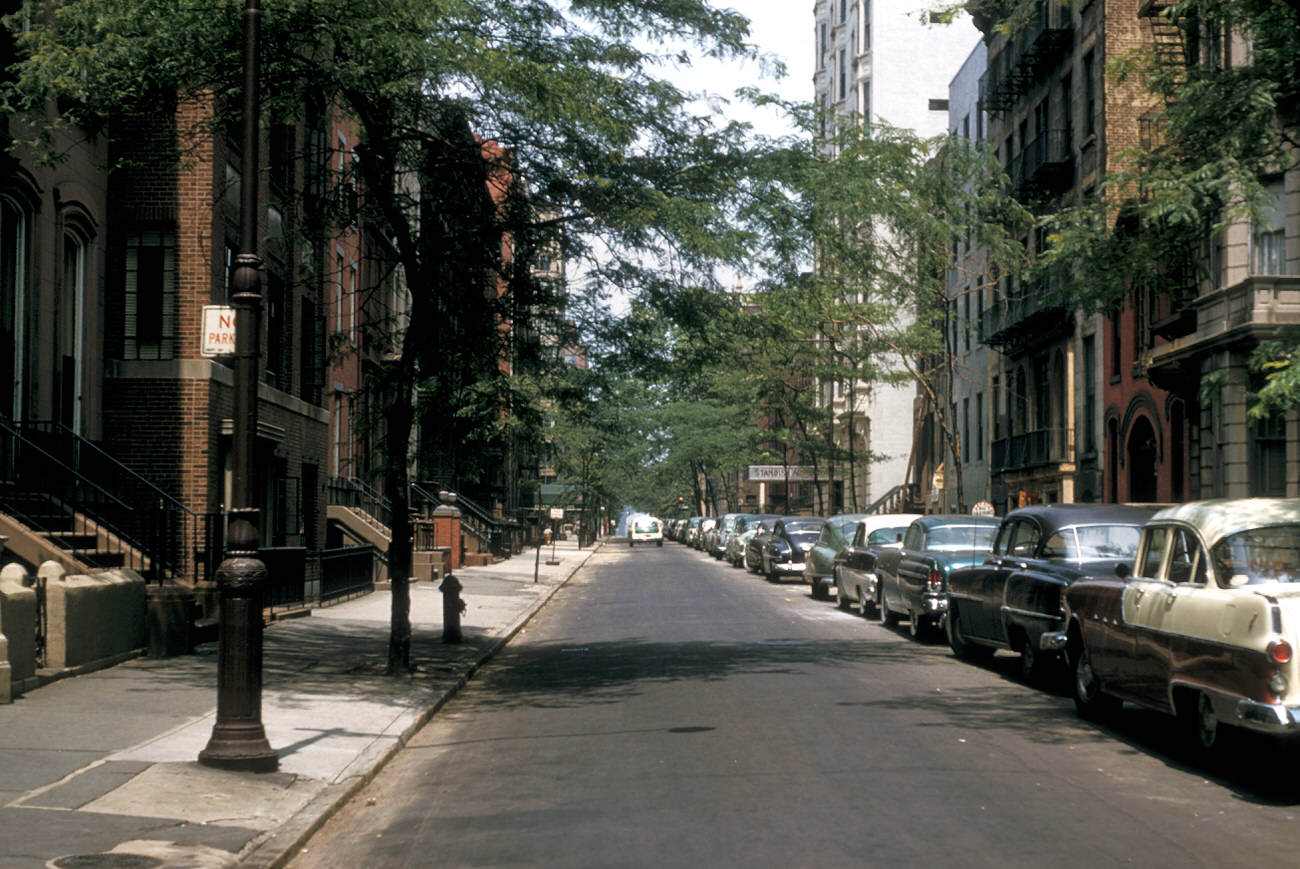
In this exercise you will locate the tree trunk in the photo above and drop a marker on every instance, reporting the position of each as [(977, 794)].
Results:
[(396, 489)]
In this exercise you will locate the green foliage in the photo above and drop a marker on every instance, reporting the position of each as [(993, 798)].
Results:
[(1221, 125)]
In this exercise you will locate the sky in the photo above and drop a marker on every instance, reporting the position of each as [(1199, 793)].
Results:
[(783, 28)]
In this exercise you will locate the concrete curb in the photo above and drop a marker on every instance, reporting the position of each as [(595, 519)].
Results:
[(275, 849)]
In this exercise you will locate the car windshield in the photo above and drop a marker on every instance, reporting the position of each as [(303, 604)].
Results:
[(1094, 542), (951, 537), (802, 535), (813, 526), (1258, 556)]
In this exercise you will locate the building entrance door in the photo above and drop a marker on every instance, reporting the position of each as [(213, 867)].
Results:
[(1142, 462)]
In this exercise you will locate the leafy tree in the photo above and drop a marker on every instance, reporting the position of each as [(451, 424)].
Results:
[(1150, 223), (884, 217), (588, 139)]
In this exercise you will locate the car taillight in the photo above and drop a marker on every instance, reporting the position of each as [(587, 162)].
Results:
[(934, 580), (1279, 652)]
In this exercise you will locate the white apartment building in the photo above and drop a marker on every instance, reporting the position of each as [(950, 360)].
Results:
[(881, 60)]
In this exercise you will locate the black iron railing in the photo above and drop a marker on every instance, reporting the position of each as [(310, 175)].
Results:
[(356, 494), (1044, 446), (896, 500), (346, 572), (98, 510)]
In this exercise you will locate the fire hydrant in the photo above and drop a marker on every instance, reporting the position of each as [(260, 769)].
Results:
[(452, 609)]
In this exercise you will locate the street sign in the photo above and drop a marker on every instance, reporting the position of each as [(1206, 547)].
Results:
[(781, 473), (983, 508), (218, 331), (557, 513)]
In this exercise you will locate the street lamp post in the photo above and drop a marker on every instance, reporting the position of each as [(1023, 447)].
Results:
[(238, 739)]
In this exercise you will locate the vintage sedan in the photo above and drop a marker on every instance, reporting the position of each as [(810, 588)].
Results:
[(854, 568), (717, 543), (913, 581), (787, 547), (754, 548), (702, 532), (1013, 600), (1207, 627), (819, 566), (746, 527)]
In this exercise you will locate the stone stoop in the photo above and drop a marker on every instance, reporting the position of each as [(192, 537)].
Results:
[(478, 559)]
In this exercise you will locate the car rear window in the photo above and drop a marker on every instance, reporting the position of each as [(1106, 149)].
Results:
[(1258, 556), (962, 537)]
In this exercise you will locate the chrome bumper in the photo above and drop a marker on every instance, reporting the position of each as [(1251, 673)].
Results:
[(788, 567), (1268, 717), (935, 605)]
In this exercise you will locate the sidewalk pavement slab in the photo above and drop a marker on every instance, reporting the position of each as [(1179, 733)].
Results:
[(106, 763)]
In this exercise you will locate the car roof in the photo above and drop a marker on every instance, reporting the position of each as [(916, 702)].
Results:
[(1223, 517), (1053, 517), (887, 520), (935, 519)]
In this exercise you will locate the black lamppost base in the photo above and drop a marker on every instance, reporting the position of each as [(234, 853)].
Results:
[(238, 739), (242, 748)]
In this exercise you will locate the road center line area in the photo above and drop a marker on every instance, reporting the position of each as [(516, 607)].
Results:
[(666, 709)]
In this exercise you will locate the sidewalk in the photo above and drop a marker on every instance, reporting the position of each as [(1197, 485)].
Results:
[(103, 766)]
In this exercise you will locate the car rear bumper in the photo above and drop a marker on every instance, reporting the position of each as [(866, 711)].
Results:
[(1268, 717)]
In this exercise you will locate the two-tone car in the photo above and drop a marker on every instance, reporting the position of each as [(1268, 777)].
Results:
[(819, 566), (913, 581), (746, 527), (787, 547), (1013, 600), (754, 548), (1207, 626), (854, 567)]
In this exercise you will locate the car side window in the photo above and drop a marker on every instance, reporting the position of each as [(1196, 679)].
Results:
[(1153, 552), (1002, 546), (1186, 560), (1060, 545), (1025, 541), (914, 537)]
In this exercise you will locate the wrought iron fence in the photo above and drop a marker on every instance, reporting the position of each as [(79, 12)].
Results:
[(98, 510), (346, 572), (1044, 446)]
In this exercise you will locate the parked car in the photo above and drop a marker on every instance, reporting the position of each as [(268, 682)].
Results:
[(702, 533), (718, 539), (1014, 599), (1207, 627), (786, 548), (913, 580), (644, 528), (754, 549), (854, 567), (746, 527), (692, 530), (819, 566)]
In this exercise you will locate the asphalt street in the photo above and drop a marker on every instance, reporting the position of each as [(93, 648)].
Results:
[(665, 709)]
